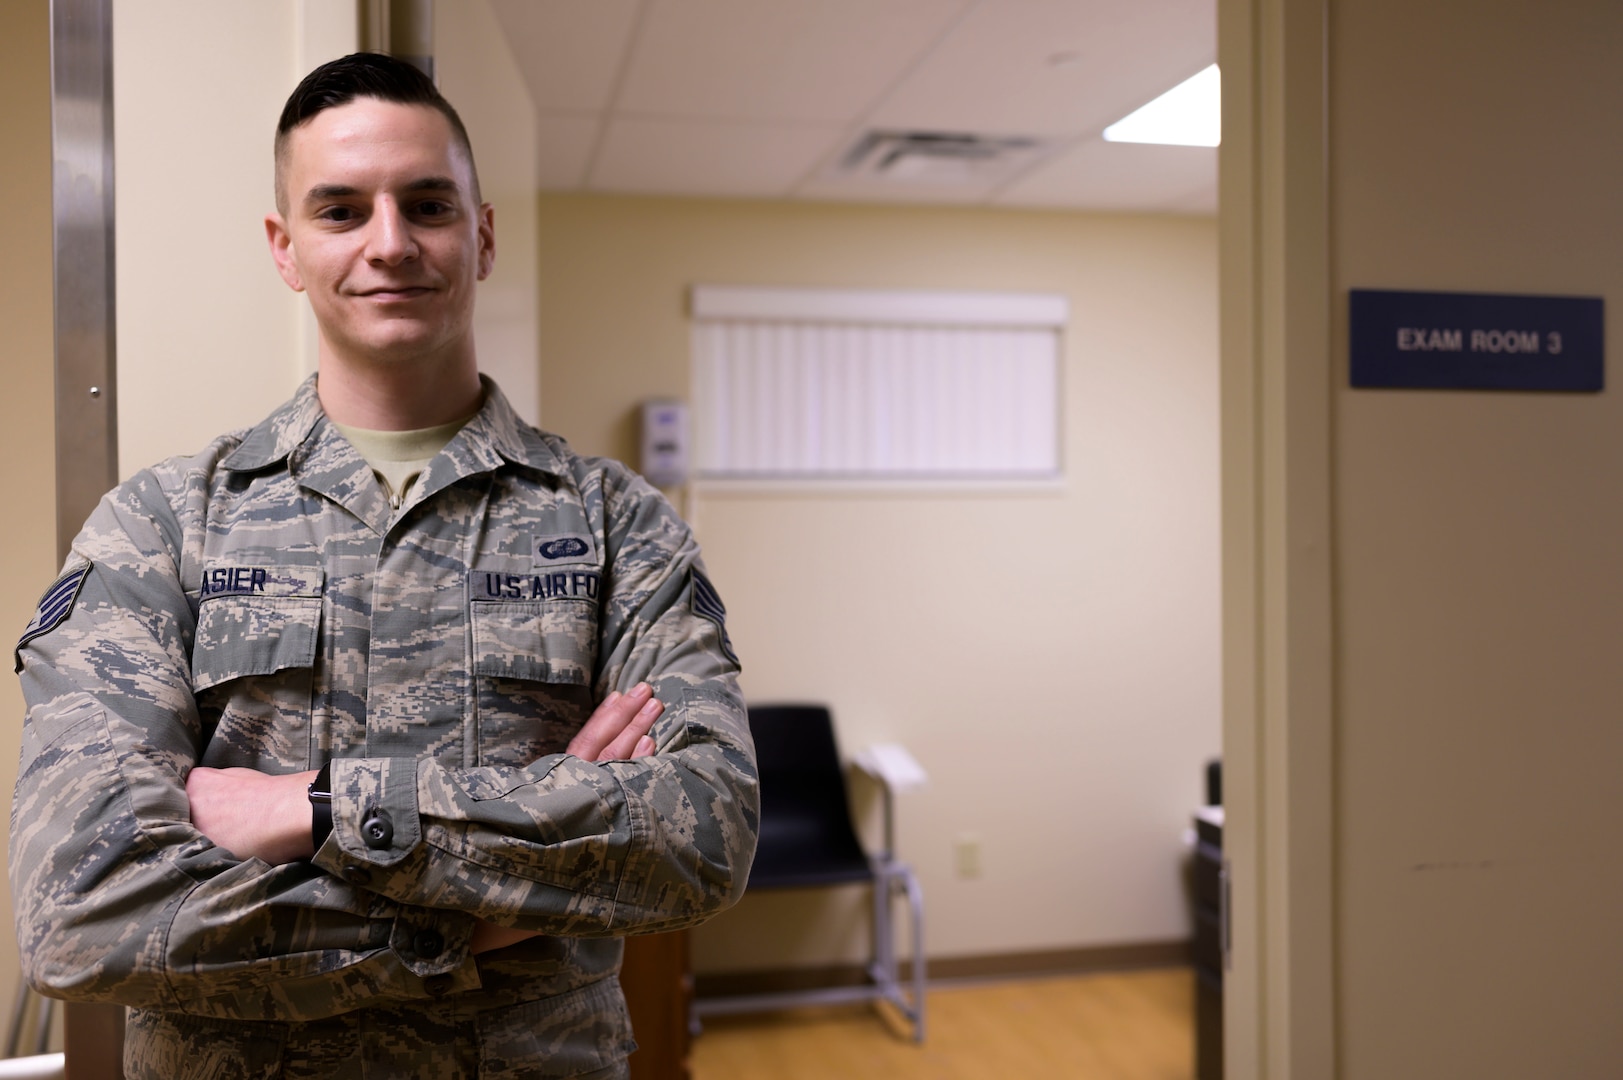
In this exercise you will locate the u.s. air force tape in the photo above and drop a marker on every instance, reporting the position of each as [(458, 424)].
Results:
[(486, 586), (54, 606)]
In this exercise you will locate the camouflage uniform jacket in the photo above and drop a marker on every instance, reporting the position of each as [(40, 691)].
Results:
[(263, 605)]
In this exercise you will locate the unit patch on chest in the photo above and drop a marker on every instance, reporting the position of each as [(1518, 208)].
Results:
[(556, 548)]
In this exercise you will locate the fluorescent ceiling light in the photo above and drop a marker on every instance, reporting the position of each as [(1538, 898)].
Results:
[(1187, 115)]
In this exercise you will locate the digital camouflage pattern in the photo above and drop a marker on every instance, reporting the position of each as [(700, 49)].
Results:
[(263, 605)]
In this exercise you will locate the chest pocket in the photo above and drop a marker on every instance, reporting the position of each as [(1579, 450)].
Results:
[(534, 642), (253, 664)]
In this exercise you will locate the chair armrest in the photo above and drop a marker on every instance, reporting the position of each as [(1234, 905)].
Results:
[(892, 765), (896, 770)]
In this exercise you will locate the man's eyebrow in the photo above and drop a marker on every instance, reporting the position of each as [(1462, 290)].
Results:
[(322, 192), (433, 183)]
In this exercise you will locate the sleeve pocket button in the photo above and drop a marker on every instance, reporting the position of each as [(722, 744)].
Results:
[(428, 944), (377, 830)]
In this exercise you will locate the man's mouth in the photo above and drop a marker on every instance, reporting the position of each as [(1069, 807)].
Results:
[(398, 292)]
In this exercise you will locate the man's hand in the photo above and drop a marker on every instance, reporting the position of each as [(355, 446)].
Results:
[(618, 727), (251, 814), (488, 936)]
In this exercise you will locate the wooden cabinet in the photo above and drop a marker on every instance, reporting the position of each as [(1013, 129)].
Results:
[(658, 985), (1208, 889)]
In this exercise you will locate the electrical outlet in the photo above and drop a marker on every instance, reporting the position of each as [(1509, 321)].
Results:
[(968, 852)]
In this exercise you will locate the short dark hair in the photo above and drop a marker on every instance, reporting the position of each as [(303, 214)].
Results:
[(363, 74)]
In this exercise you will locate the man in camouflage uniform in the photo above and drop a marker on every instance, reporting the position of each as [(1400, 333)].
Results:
[(333, 773)]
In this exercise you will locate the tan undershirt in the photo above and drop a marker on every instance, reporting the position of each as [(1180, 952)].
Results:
[(399, 457)]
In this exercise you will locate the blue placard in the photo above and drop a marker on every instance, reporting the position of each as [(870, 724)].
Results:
[(1476, 341)]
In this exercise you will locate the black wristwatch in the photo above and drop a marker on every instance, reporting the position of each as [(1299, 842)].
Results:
[(321, 806)]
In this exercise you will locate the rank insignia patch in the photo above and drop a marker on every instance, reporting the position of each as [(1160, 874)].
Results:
[(707, 605), (54, 606)]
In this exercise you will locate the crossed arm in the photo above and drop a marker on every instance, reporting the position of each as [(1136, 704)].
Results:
[(255, 814)]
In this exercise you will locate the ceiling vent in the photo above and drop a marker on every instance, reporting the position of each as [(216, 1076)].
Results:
[(936, 158)]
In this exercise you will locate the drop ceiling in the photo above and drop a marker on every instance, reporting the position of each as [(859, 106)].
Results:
[(767, 98)]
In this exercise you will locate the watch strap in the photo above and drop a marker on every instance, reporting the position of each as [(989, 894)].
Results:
[(320, 792)]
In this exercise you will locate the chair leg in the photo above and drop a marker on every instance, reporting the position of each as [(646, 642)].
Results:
[(915, 899), (42, 1026), (43, 1011), (19, 1009), (882, 968), (886, 970), (695, 1022)]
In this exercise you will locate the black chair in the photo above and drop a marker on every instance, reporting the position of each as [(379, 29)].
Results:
[(807, 841)]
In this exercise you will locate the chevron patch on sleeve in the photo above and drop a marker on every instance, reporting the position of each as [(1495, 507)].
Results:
[(707, 605), (54, 606)]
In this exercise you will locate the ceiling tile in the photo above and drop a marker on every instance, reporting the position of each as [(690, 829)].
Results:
[(755, 98), (570, 52), (680, 157), (1053, 67), (790, 60), (563, 150), (1120, 176)]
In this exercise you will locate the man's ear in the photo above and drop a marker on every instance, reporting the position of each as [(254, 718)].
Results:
[(281, 248), (487, 240)]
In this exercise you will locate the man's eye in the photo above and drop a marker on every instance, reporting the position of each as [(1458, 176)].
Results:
[(433, 208), (337, 214)]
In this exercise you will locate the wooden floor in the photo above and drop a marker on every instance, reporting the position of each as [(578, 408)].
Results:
[(1120, 1026)]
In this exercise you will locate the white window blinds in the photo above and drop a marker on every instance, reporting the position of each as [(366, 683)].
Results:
[(857, 384)]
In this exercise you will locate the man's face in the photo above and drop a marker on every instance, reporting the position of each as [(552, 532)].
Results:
[(382, 231)]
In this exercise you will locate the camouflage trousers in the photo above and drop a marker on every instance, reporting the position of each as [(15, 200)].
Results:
[(583, 1034)]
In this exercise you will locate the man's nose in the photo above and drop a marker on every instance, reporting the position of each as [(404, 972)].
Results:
[(390, 240)]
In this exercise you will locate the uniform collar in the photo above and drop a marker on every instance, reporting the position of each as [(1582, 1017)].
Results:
[(299, 433), (280, 433), (496, 435)]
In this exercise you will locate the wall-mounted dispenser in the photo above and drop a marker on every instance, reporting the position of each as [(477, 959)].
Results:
[(664, 452)]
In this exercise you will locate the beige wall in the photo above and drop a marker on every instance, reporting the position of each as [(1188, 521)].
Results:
[(1050, 657), (477, 73), (1480, 595), (28, 548), (209, 339)]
